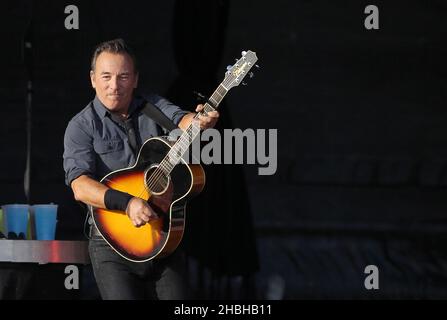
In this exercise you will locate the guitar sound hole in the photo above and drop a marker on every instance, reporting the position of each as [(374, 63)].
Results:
[(156, 180)]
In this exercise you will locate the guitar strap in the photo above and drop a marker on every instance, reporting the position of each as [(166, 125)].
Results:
[(159, 117)]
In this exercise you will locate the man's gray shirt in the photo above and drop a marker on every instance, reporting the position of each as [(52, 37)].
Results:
[(95, 145)]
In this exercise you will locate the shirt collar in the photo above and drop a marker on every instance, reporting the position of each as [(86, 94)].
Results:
[(103, 111)]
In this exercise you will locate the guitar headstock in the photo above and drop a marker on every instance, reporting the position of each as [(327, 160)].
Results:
[(237, 72)]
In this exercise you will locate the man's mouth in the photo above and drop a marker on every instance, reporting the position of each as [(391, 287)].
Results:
[(114, 95)]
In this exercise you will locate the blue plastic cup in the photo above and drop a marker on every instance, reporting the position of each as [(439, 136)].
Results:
[(2, 228), (45, 219), (16, 216)]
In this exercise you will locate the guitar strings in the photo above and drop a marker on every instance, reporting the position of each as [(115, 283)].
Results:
[(163, 170), (159, 172), (188, 134), (165, 167)]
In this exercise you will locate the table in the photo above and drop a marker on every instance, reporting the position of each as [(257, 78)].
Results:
[(44, 251)]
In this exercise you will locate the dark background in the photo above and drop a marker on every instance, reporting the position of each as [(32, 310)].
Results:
[(360, 115)]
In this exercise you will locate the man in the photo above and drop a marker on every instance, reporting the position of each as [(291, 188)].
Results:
[(97, 141)]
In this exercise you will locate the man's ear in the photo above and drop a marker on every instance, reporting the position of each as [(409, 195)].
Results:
[(92, 78)]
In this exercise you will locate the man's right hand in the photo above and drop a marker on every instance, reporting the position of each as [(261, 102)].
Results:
[(139, 212)]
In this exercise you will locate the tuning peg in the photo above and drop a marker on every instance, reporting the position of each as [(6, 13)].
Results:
[(251, 74), (229, 67), (257, 66), (244, 83), (244, 53)]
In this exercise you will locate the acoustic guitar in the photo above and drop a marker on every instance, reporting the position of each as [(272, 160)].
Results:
[(161, 176)]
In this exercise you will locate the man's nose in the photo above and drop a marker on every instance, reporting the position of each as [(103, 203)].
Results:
[(113, 84)]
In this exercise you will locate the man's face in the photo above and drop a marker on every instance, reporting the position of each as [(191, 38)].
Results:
[(114, 79)]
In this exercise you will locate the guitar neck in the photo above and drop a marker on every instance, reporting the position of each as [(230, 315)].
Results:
[(233, 77), (182, 145), (216, 98)]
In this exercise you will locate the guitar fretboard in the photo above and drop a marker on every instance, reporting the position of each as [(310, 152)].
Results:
[(179, 149), (234, 76)]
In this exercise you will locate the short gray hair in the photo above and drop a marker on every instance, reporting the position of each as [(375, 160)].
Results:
[(117, 46)]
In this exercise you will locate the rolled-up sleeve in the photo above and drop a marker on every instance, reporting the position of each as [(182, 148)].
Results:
[(79, 158)]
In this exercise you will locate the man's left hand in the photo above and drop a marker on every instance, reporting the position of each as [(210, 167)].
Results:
[(207, 120)]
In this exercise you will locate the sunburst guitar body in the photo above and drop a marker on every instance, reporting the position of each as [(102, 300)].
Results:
[(167, 197)]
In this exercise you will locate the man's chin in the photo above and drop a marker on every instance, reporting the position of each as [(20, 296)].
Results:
[(115, 104)]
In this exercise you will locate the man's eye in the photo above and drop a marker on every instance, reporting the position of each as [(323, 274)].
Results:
[(105, 77), (124, 77)]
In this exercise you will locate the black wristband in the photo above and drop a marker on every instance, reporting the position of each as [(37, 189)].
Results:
[(116, 200)]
